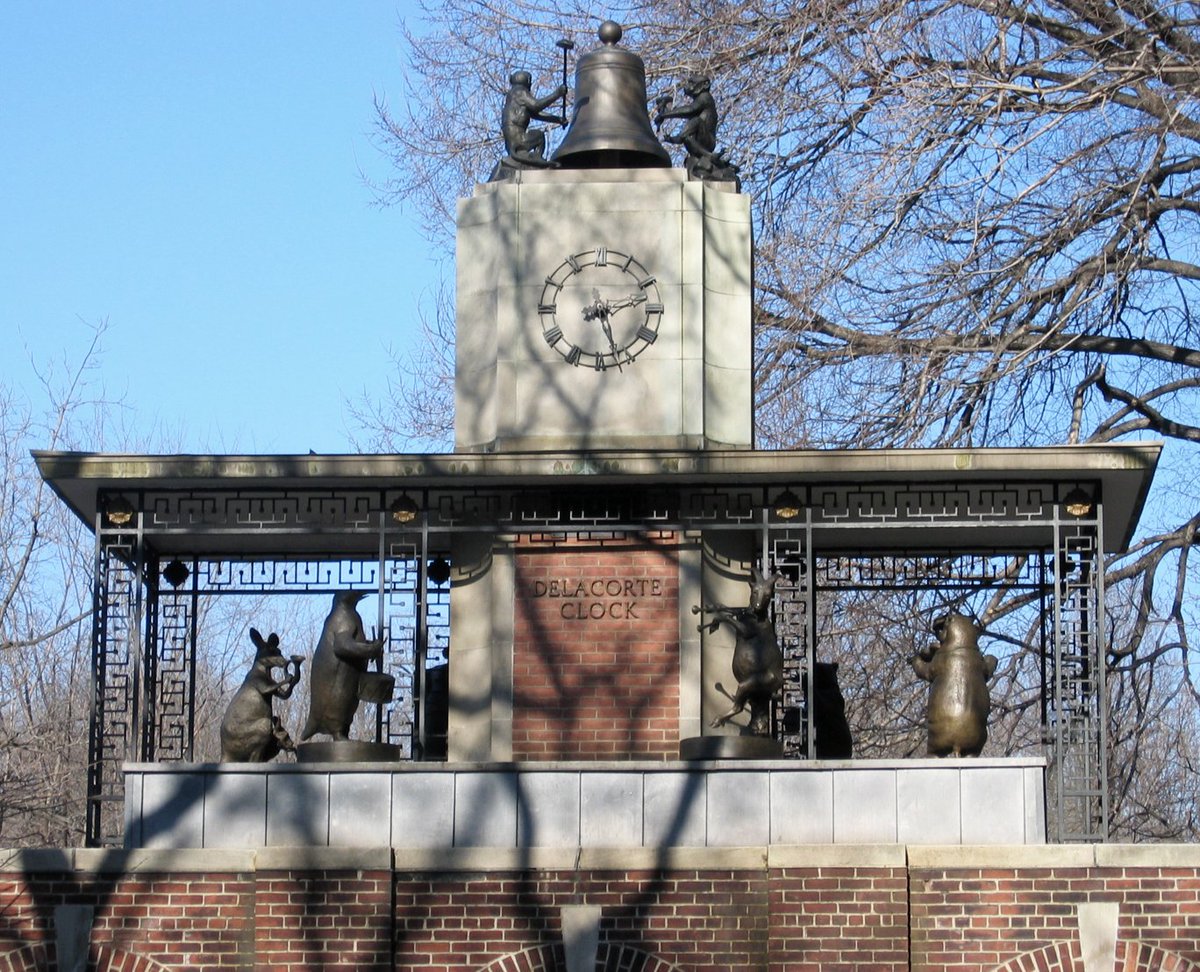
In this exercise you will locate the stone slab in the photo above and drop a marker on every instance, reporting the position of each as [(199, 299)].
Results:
[(864, 807), (610, 808), (235, 810), (360, 810), (297, 810), (172, 812), (739, 809), (922, 798), (485, 810), (801, 808), (673, 810), (548, 810), (413, 825)]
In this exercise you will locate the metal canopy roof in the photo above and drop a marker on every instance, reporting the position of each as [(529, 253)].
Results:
[(1122, 471)]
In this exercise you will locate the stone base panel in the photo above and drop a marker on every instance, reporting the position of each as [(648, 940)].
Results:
[(589, 805)]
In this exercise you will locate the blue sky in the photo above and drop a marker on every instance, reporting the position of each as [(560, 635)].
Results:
[(192, 173)]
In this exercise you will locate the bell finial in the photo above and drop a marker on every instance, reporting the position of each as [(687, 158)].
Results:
[(610, 32), (610, 127)]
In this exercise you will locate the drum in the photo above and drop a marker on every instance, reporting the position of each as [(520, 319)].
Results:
[(376, 687)]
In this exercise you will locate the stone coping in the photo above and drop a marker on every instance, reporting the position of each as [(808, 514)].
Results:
[(603, 465), (592, 766), (101, 861)]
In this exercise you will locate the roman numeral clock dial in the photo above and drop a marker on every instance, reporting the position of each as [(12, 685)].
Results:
[(600, 309)]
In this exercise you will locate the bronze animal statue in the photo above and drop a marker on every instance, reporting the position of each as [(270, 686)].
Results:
[(339, 677), (831, 730), (757, 660), (526, 147), (699, 132), (250, 731), (957, 672)]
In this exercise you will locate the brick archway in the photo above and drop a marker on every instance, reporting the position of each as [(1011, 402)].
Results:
[(609, 958), (27, 958), (36, 958), (105, 958), (1065, 957)]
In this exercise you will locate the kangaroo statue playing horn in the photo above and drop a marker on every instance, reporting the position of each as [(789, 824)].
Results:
[(250, 731)]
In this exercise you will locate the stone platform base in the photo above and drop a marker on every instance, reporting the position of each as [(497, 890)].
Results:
[(717, 803)]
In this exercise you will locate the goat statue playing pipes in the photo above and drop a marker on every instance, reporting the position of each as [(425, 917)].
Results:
[(757, 660)]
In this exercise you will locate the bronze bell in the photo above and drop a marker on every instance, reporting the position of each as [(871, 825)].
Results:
[(610, 127)]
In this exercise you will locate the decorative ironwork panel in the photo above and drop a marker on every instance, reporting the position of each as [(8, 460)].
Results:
[(602, 538), (555, 509), (280, 576), (415, 618), (734, 505), (892, 505), (947, 571), (1078, 786), (116, 661), (171, 674), (787, 552), (433, 715), (399, 610), (254, 511), (450, 509)]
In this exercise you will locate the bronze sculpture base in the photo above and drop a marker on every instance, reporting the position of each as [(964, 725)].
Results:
[(347, 751), (730, 747)]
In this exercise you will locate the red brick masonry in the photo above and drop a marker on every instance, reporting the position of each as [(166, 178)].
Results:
[(596, 650), (784, 908)]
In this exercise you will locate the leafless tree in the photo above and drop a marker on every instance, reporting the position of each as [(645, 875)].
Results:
[(976, 224), (45, 604), (417, 410), (46, 572)]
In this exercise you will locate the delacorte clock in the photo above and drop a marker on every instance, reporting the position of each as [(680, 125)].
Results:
[(600, 309)]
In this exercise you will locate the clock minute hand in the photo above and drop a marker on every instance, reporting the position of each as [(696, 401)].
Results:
[(611, 343), (630, 301), (600, 309)]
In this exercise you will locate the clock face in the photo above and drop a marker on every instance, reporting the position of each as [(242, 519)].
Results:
[(600, 309)]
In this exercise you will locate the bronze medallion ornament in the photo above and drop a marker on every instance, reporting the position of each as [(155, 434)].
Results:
[(600, 309)]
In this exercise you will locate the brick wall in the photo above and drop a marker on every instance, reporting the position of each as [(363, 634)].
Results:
[(335, 920), (839, 917), (693, 919), (140, 921), (1024, 918), (781, 909), (596, 650)]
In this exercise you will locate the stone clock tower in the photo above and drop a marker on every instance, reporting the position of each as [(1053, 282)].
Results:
[(604, 302)]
